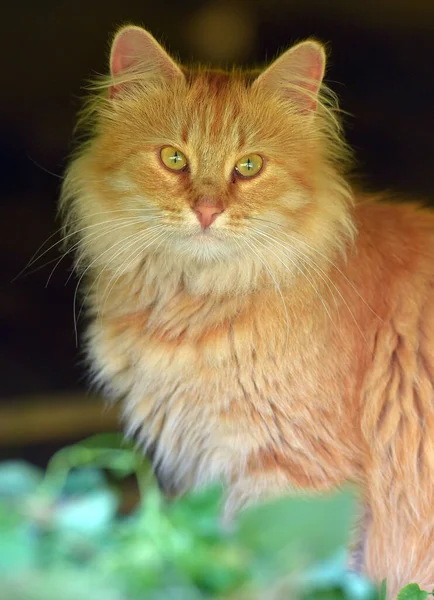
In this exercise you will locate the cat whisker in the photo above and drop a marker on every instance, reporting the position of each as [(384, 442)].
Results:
[(318, 268), (132, 257), (327, 259), (169, 235), (137, 238), (266, 267), (122, 241), (306, 259), (155, 235), (111, 260), (323, 275), (300, 270), (135, 221), (109, 227), (45, 264), (61, 177), (37, 256)]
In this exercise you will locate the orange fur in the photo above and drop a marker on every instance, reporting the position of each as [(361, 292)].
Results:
[(291, 345)]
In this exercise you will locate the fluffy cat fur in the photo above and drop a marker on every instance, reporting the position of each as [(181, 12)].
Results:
[(289, 346)]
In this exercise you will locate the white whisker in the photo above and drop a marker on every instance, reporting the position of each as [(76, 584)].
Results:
[(322, 274), (108, 228), (113, 258), (86, 270), (306, 259), (137, 238), (275, 284), (300, 270), (327, 259), (130, 259), (136, 221), (36, 256)]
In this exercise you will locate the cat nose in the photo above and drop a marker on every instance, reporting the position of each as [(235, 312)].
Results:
[(207, 214)]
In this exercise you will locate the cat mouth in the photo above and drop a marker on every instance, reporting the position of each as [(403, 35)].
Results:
[(202, 244), (206, 235)]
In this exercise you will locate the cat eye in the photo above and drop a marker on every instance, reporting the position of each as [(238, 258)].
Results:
[(249, 165), (173, 159)]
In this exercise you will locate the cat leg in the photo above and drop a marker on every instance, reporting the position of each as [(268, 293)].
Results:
[(399, 547)]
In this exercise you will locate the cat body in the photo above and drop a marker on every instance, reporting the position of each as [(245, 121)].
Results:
[(273, 332)]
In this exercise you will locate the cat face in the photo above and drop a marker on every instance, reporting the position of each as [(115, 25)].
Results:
[(209, 167)]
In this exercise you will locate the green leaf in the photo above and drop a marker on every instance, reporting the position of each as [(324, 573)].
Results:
[(110, 451), (412, 592), (383, 590), (312, 526)]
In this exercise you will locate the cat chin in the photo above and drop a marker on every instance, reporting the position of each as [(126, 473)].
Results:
[(202, 248)]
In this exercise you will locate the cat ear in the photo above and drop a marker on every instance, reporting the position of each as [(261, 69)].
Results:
[(135, 51), (297, 74)]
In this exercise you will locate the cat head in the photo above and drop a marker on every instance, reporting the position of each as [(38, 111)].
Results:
[(209, 168)]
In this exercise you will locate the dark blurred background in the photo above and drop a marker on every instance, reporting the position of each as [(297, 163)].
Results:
[(381, 65)]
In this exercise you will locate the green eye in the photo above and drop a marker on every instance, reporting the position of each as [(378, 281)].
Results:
[(249, 165), (173, 159)]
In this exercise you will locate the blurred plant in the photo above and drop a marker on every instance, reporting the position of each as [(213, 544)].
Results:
[(61, 536), (413, 592)]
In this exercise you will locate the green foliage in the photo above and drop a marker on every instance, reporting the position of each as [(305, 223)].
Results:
[(106, 450), (61, 536), (412, 592)]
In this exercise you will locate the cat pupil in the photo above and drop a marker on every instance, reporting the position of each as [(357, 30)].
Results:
[(175, 157)]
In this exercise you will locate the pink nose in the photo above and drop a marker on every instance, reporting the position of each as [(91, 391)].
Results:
[(207, 214)]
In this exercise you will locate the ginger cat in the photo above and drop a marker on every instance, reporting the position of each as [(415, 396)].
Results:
[(263, 323)]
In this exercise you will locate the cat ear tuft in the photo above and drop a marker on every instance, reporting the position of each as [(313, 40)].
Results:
[(135, 51), (297, 74)]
